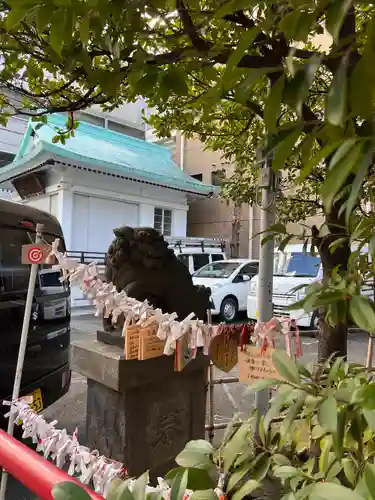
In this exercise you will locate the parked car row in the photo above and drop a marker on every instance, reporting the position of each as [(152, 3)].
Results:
[(234, 284)]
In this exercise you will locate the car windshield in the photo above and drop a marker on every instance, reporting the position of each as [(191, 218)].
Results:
[(50, 279), (296, 264), (219, 269)]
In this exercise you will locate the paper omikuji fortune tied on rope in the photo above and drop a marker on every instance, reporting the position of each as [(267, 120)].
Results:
[(108, 302), (88, 466)]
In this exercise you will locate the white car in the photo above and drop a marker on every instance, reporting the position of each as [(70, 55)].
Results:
[(229, 281)]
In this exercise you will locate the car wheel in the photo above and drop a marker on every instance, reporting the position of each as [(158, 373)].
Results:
[(314, 324), (229, 309)]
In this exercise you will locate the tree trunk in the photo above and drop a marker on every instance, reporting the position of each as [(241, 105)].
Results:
[(332, 340), (236, 226)]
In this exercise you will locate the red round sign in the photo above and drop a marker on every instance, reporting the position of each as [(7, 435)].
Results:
[(35, 255)]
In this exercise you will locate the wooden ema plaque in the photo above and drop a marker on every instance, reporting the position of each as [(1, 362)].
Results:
[(255, 365), (184, 353), (150, 346), (132, 342), (223, 350)]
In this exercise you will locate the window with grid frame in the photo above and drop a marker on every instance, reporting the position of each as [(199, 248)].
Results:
[(163, 220)]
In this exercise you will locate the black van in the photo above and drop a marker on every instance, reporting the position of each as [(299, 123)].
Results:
[(46, 373)]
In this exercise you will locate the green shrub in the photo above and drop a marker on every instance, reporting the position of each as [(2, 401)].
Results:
[(317, 442)]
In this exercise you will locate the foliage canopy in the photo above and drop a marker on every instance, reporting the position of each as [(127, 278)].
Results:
[(220, 69), (295, 77)]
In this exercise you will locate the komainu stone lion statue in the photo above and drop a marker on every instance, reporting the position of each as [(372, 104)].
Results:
[(140, 262)]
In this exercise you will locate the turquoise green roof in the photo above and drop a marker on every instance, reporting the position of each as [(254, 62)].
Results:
[(104, 150)]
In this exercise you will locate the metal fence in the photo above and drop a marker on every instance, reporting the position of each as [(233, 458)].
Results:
[(87, 257)]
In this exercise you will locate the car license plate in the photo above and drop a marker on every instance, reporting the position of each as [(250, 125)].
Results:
[(37, 404)]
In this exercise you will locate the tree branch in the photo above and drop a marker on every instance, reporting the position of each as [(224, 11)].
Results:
[(198, 42)]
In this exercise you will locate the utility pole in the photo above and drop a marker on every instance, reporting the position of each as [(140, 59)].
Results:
[(267, 185)]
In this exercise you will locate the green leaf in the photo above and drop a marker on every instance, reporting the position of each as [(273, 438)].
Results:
[(361, 78), (147, 82), (139, 486), (362, 313), (318, 158), (200, 445), (272, 105), (235, 445), (325, 448), (297, 90), (277, 228), (179, 485), (236, 56), (236, 476), (43, 16), (288, 24), (280, 459), (204, 495), (15, 16), (328, 414), (337, 95), (370, 418), (292, 414), (246, 489), (294, 90), (334, 370), (284, 242), (68, 490), (338, 175), (175, 79), (359, 180), (84, 29), (196, 459), (364, 396), (286, 367), (335, 15), (284, 150), (119, 490), (231, 429), (286, 472), (341, 152), (332, 491), (232, 6), (260, 385), (339, 435), (349, 470), (275, 408), (261, 467), (361, 489), (198, 479), (317, 432), (58, 30), (369, 476), (154, 495)]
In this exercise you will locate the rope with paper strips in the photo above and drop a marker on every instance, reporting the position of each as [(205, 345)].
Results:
[(87, 466), (109, 302), (266, 333)]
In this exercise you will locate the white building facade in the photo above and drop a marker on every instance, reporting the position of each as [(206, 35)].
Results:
[(98, 181)]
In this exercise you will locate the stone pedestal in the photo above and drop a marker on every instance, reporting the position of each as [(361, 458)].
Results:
[(141, 413)]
